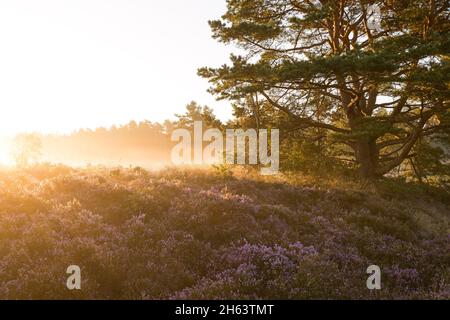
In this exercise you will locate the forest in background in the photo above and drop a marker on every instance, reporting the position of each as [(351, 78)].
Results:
[(148, 145)]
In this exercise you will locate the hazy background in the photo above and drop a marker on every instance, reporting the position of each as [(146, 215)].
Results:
[(75, 64)]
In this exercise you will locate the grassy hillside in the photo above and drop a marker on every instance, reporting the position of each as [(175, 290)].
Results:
[(208, 234)]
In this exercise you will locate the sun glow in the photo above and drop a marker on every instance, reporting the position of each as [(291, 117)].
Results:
[(75, 64)]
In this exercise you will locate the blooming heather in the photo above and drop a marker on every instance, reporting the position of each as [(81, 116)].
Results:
[(186, 234)]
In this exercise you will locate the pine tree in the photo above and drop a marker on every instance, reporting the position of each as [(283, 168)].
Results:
[(372, 75)]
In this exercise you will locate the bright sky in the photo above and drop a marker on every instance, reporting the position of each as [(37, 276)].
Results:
[(66, 64)]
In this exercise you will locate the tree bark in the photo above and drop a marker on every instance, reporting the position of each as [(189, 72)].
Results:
[(367, 156)]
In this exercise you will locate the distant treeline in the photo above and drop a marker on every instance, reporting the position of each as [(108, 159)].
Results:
[(145, 143), (148, 144), (138, 143)]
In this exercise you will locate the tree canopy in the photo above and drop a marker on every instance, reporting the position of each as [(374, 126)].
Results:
[(376, 92)]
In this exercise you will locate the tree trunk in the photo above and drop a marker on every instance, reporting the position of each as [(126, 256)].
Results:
[(367, 158)]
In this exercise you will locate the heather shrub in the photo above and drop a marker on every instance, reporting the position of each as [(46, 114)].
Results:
[(200, 234)]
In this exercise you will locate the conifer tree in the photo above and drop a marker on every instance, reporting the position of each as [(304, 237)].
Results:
[(372, 75)]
